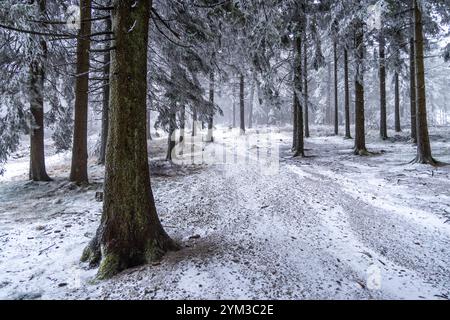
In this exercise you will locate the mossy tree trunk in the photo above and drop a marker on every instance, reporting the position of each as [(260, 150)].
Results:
[(347, 97), (36, 91), (423, 140), (360, 138), (78, 170), (130, 232), (382, 75)]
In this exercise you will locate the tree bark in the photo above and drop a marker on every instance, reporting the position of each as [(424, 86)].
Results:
[(78, 172), (182, 123), (130, 232), (250, 105), (194, 122), (105, 102), (329, 89), (242, 104), (234, 106), (398, 127), (336, 101), (171, 138), (382, 74), (423, 140), (294, 117), (38, 171), (299, 147), (210, 136), (305, 86), (347, 97), (360, 139), (412, 81)]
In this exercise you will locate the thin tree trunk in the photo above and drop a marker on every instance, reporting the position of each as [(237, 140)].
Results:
[(412, 78), (130, 232), (105, 102), (360, 139), (234, 106), (78, 172), (347, 97), (412, 83), (210, 137), (250, 105), (194, 122), (299, 148), (382, 74), (182, 124), (242, 104), (336, 102), (423, 140), (328, 110), (37, 75), (397, 103), (294, 117), (305, 86), (171, 138)]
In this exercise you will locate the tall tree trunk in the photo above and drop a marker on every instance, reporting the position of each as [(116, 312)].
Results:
[(305, 85), (105, 102), (329, 89), (210, 137), (182, 124), (234, 106), (412, 81), (242, 104), (299, 147), (171, 137), (36, 91), (250, 105), (382, 74), (130, 232), (360, 136), (398, 127), (336, 102), (347, 97), (78, 170), (423, 140), (294, 116), (194, 122)]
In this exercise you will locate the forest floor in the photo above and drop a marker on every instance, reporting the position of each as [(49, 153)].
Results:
[(329, 226)]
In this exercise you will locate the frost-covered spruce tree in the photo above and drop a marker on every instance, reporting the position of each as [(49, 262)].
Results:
[(32, 67), (181, 69), (130, 232)]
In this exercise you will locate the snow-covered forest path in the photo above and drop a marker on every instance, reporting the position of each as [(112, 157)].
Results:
[(328, 226)]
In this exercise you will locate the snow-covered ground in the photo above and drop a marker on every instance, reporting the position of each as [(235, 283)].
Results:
[(330, 226)]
